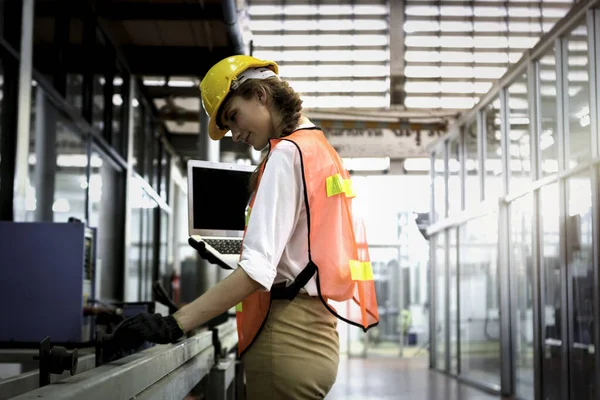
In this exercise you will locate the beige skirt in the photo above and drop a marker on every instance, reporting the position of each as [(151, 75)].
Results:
[(296, 354)]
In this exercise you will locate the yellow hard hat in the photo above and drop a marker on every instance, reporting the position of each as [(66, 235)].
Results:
[(216, 85)]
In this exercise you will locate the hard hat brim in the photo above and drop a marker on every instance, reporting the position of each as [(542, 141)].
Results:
[(214, 131)]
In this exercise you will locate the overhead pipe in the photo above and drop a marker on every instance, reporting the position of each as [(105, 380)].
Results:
[(230, 18)]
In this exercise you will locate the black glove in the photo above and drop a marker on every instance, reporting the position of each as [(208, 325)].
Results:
[(207, 255), (144, 327)]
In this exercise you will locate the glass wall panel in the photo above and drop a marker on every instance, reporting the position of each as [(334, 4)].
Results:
[(156, 149), (548, 139), (147, 246), (519, 157), (453, 273), (439, 187), (552, 286), (479, 300), (100, 52), (119, 135), (579, 143), (139, 267), (164, 267), (454, 181), (74, 90), (521, 218), (493, 153), (139, 143), (440, 301), (472, 184), (165, 180), (149, 142), (70, 180), (580, 263), (107, 204)]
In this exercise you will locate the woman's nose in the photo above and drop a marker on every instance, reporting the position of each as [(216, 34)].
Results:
[(235, 135)]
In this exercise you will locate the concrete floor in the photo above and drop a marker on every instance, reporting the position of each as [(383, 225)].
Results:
[(398, 379)]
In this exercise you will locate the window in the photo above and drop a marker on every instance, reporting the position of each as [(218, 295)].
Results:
[(107, 204), (493, 154), (519, 148)]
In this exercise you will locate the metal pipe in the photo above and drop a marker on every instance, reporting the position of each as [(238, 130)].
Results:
[(233, 29)]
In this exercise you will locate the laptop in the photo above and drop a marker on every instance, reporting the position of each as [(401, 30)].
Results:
[(218, 194)]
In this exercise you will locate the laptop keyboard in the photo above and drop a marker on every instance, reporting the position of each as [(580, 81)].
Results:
[(225, 246)]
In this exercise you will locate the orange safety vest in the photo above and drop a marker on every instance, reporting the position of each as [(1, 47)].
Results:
[(337, 246)]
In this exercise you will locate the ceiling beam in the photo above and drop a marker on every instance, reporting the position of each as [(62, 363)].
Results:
[(190, 61), (142, 60), (132, 11)]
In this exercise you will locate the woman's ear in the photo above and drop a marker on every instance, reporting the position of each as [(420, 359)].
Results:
[(261, 95)]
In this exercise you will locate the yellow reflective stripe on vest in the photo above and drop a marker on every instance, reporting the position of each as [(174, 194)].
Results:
[(361, 270), (337, 185), (238, 307), (248, 210)]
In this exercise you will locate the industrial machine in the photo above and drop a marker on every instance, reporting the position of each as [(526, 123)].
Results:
[(47, 278)]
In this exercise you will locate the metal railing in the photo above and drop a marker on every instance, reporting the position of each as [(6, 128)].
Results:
[(203, 362)]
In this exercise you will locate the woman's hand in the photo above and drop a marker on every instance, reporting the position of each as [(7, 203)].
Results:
[(144, 327)]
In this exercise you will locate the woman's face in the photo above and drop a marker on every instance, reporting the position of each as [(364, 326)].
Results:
[(249, 120)]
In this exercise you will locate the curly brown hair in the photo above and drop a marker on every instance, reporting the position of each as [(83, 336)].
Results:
[(284, 99)]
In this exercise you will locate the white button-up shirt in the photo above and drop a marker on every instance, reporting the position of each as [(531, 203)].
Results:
[(276, 243)]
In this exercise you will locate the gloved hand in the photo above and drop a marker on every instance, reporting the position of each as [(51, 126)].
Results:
[(144, 327)]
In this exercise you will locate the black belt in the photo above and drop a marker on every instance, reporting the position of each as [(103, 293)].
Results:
[(282, 292)]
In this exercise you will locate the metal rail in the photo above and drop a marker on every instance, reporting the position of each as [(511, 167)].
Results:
[(225, 338), (28, 381), (161, 372)]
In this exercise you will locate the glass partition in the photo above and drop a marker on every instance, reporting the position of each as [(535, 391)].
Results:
[(107, 204), (472, 183), (519, 148), (549, 276), (552, 337), (479, 302), (579, 143), (493, 154), (453, 324), (521, 219), (439, 186), (548, 137), (139, 267), (139, 142), (454, 179), (70, 177), (119, 134), (440, 301), (580, 262)]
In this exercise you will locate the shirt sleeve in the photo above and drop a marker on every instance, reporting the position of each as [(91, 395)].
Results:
[(274, 214)]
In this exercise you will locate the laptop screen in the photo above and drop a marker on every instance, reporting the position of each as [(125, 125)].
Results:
[(220, 197)]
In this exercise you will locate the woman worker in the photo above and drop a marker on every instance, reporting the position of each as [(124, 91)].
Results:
[(304, 260)]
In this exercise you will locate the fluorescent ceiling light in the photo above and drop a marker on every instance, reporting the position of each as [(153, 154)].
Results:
[(331, 71), (322, 9), (345, 101), (324, 55), (321, 40), (328, 86), (320, 24)]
